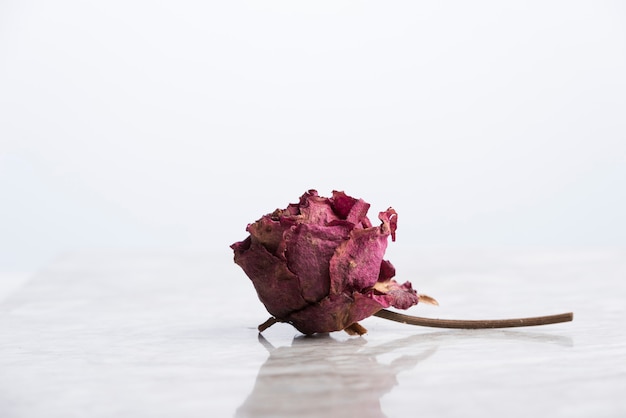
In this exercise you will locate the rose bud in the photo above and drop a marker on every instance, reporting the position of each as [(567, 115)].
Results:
[(319, 266)]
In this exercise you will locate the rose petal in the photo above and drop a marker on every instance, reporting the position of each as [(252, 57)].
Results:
[(342, 203), (356, 263), (387, 271), (268, 232), (390, 222), (334, 313), (309, 248), (351, 209), (317, 210), (277, 287), (391, 293)]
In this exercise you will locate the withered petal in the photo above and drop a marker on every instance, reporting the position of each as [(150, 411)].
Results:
[(309, 248), (387, 271), (391, 293), (351, 209), (268, 232), (277, 287), (334, 313), (356, 263)]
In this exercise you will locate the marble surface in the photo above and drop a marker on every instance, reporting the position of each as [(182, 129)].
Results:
[(12, 281), (163, 335)]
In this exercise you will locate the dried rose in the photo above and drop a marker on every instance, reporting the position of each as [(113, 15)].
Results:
[(319, 266)]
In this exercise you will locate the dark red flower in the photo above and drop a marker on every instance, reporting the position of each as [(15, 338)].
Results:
[(318, 264)]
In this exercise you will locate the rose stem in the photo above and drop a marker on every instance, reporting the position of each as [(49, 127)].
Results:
[(475, 324), (265, 325)]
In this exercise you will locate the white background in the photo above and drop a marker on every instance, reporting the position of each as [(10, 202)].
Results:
[(171, 125)]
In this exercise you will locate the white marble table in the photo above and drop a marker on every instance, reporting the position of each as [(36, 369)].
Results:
[(173, 335)]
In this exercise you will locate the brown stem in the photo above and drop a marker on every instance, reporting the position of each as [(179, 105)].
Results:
[(265, 325), (355, 329), (474, 324)]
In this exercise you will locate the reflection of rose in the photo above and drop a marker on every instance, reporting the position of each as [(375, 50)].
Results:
[(324, 377), (319, 264)]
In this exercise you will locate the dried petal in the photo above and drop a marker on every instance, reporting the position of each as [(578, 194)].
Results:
[(277, 287), (334, 313), (356, 263), (309, 248)]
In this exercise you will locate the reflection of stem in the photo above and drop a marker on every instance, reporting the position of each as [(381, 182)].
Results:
[(474, 324), (408, 362), (268, 346)]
